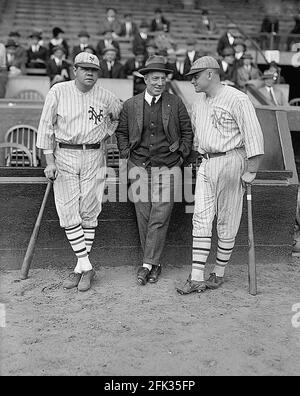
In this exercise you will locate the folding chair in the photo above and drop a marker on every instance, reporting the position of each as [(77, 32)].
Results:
[(26, 136), (22, 156), (29, 94)]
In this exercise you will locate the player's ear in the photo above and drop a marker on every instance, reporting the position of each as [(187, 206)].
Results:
[(74, 70)]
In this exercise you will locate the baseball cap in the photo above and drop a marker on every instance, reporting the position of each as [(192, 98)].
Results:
[(203, 63), (85, 59)]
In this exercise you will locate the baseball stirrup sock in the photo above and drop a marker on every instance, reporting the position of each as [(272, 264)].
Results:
[(75, 236), (225, 247), (89, 236), (201, 249)]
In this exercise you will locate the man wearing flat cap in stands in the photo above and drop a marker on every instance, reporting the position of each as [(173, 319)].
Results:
[(84, 38), (229, 140), (37, 55), (110, 67), (155, 136)]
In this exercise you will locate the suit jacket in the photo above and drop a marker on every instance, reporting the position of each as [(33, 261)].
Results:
[(176, 75), (134, 29), (117, 70), (53, 69), (77, 49), (230, 74), (176, 123), (243, 75), (114, 26), (101, 46), (223, 43), (32, 57), (139, 42), (281, 100), (163, 26)]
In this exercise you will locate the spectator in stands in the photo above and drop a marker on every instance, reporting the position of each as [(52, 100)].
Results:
[(227, 39), (110, 67), (271, 90), (276, 69), (206, 24), (84, 38), (181, 67), (159, 23), (107, 42), (270, 25), (58, 40), (3, 71), (239, 49), (141, 38), (58, 68), (37, 55), (111, 23), (90, 50), (129, 29), (192, 54), (20, 52), (247, 72), (151, 48), (131, 68), (228, 67), (296, 30), (15, 65)]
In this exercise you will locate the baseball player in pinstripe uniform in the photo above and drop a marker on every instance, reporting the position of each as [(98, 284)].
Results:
[(228, 136), (78, 116)]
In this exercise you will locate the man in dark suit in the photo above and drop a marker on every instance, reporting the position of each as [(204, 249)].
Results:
[(159, 23), (181, 67), (107, 41), (110, 67), (37, 55), (129, 28), (155, 135), (141, 38), (131, 68), (58, 69), (228, 67), (20, 53), (227, 39), (84, 38)]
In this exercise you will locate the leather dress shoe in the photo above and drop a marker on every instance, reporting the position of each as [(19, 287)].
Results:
[(154, 274), (143, 275)]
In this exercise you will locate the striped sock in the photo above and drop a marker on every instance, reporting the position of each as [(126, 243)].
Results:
[(201, 249), (89, 236), (225, 247), (75, 236)]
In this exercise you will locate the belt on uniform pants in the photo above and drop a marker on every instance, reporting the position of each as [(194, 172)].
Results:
[(79, 146), (212, 155)]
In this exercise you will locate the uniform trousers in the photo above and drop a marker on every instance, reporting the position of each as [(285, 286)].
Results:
[(158, 189), (219, 192), (79, 186)]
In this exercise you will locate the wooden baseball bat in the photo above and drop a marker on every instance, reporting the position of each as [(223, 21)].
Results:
[(31, 245), (251, 252)]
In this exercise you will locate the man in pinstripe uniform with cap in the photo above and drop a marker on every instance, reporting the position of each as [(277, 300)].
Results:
[(77, 118), (228, 136)]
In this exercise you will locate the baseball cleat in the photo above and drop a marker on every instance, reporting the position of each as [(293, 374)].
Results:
[(72, 280), (192, 286), (214, 281), (86, 279)]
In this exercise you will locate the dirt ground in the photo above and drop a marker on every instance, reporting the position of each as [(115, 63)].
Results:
[(120, 328)]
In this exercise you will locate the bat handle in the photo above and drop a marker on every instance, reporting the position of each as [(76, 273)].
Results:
[(251, 253)]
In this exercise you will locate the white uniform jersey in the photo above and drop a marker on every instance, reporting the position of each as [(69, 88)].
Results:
[(73, 117), (225, 122)]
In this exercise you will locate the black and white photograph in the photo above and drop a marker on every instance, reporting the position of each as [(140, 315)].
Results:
[(149, 191)]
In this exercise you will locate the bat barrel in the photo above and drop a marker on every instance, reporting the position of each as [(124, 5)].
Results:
[(251, 253), (31, 245)]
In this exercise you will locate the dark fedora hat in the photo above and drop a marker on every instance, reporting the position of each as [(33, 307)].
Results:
[(155, 63), (56, 31), (14, 34)]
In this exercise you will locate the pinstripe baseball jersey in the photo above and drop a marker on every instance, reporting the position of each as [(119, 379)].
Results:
[(73, 117), (225, 122)]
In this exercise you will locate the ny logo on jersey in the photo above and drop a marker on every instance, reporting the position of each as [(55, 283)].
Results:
[(94, 116), (218, 118)]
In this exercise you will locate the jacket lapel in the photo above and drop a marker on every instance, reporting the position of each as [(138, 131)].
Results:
[(166, 109), (139, 111)]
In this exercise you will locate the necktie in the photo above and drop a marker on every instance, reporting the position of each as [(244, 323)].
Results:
[(153, 100), (272, 96)]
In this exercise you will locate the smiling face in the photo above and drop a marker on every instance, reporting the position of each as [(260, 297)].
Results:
[(155, 82), (86, 77)]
